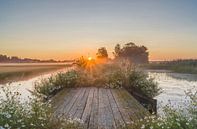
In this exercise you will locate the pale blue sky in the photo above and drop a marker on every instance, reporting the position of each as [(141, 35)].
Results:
[(63, 29)]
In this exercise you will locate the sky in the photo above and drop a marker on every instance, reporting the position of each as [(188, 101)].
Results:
[(67, 29)]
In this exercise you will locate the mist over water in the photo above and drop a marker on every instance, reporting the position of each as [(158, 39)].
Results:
[(26, 86), (174, 86)]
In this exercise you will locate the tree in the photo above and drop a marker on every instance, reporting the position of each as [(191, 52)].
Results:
[(102, 53), (132, 52), (117, 50)]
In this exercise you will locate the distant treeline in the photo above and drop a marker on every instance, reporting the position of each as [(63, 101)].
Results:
[(15, 59), (181, 66)]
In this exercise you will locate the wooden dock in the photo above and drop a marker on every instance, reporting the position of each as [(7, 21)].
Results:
[(98, 108)]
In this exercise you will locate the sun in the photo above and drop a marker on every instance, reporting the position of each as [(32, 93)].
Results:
[(89, 58)]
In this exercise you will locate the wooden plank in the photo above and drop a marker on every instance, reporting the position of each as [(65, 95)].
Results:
[(116, 113), (106, 119), (93, 122), (122, 107), (74, 106), (138, 109), (109, 117), (82, 104), (68, 107), (62, 99), (101, 111), (129, 103), (56, 101), (88, 108), (99, 108)]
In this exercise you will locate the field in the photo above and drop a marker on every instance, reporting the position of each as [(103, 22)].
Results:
[(15, 72)]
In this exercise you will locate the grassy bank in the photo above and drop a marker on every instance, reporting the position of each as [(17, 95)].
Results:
[(179, 66), (9, 73)]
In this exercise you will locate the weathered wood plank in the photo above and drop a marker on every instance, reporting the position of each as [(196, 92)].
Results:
[(136, 107), (116, 113), (109, 117), (101, 111), (93, 122), (122, 107), (99, 108), (82, 104), (69, 106), (74, 107), (62, 102)]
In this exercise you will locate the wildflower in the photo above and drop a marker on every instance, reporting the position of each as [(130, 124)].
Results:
[(143, 126), (8, 115), (23, 125), (6, 125)]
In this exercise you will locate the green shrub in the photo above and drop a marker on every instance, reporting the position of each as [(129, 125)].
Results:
[(115, 79), (50, 86), (139, 82)]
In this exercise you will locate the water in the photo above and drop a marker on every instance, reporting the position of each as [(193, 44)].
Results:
[(25, 87), (174, 86)]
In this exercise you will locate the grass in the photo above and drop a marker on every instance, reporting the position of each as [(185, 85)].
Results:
[(21, 72), (179, 66)]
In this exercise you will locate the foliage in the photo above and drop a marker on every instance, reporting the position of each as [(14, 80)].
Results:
[(33, 114), (139, 82), (132, 52), (81, 62), (102, 53), (50, 86)]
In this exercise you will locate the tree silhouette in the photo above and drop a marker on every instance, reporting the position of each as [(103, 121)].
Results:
[(102, 53), (132, 52)]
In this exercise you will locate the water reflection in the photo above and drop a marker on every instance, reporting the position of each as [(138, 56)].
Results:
[(26, 86), (174, 86)]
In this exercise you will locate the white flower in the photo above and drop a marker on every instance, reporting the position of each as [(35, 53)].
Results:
[(8, 115), (143, 126), (6, 125)]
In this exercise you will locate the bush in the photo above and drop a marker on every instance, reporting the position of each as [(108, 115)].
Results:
[(139, 82), (50, 86)]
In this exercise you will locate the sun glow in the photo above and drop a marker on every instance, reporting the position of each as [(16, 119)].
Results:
[(89, 58)]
